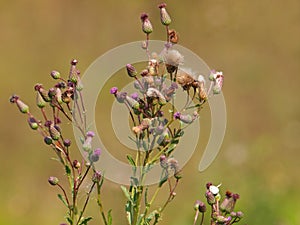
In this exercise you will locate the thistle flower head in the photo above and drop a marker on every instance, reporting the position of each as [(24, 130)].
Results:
[(55, 74), (48, 140), (53, 181), (131, 71), (67, 143), (94, 157), (164, 16), (146, 24), (90, 134), (33, 123), (20, 104), (97, 177), (113, 90)]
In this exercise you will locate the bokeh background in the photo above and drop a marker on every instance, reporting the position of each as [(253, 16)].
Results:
[(257, 45)]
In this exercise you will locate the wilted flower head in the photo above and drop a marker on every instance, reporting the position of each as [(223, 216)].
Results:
[(173, 57)]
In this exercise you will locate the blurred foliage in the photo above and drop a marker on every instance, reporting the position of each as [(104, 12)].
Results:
[(256, 44)]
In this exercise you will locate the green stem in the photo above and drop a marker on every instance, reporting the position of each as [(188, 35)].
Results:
[(99, 202), (85, 203)]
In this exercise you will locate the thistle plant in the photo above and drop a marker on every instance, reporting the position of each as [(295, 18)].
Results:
[(222, 210), (157, 128), (58, 105)]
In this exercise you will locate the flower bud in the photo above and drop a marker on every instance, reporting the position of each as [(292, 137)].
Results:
[(202, 207), (67, 143), (164, 16), (48, 140), (40, 101), (87, 145), (33, 123), (239, 214), (55, 74), (113, 90), (51, 92), (54, 132), (210, 198), (22, 106), (95, 156), (76, 164), (121, 96), (53, 181), (97, 177), (58, 96), (163, 161), (146, 24), (43, 92), (132, 103), (131, 71)]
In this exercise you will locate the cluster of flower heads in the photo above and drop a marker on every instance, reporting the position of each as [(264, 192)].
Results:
[(222, 211), (55, 103), (156, 86)]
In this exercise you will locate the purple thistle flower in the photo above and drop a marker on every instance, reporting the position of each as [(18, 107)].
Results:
[(135, 96), (113, 90), (177, 115), (95, 156)]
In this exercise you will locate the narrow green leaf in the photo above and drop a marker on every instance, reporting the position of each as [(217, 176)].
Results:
[(162, 181), (68, 170), (63, 200), (84, 221), (69, 220), (131, 160), (109, 217), (126, 193)]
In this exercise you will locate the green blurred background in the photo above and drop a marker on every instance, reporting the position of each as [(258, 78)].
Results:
[(257, 45)]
